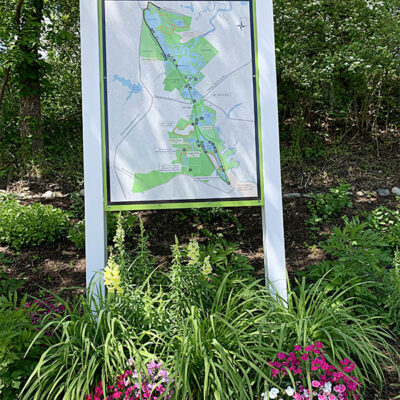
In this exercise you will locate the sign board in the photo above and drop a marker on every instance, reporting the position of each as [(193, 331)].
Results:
[(180, 103), (180, 110)]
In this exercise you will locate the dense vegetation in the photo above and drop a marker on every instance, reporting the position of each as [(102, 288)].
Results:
[(338, 76)]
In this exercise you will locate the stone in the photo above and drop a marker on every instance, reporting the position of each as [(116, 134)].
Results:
[(309, 195), (383, 192), (291, 195), (360, 193), (82, 192), (48, 195), (396, 191), (57, 194)]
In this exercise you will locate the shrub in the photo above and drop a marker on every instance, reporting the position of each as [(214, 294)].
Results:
[(31, 225)]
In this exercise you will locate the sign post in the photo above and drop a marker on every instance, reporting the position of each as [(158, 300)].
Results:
[(180, 111), (95, 215)]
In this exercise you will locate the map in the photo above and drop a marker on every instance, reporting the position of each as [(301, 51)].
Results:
[(180, 101)]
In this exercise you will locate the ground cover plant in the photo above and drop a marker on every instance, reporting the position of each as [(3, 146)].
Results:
[(31, 225)]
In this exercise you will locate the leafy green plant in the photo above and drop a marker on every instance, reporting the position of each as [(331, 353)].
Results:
[(76, 234), (92, 343), (324, 206), (386, 222), (31, 225), (16, 333), (9, 285), (392, 292)]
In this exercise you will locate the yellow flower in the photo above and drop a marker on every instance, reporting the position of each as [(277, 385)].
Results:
[(112, 276)]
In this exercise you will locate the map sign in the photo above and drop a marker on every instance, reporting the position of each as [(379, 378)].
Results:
[(180, 103)]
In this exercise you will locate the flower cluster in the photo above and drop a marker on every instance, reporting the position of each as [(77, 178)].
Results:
[(206, 268), (328, 382), (112, 276), (193, 252), (132, 385), (39, 309)]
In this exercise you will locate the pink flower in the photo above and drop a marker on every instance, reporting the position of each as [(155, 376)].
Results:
[(281, 356), (322, 397), (339, 388), (331, 397), (315, 384), (297, 348), (304, 357), (309, 348)]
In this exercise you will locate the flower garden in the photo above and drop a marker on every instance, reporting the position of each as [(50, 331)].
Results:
[(203, 325)]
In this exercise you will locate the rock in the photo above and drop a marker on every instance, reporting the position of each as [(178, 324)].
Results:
[(309, 195), (360, 193), (291, 195), (48, 195), (57, 194), (82, 192), (383, 192), (396, 191)]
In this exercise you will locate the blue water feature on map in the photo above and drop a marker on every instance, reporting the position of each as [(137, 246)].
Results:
[(133, 88), (235, 106), (244, 3), (215, 16), (189, 7)]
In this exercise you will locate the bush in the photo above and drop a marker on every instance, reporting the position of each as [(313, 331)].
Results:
[(31, 225)]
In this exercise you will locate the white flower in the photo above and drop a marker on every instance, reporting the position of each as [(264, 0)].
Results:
[(289, 391), (328, 387), (273, 393)]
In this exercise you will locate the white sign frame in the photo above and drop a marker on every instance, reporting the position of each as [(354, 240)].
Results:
[(95, 214)]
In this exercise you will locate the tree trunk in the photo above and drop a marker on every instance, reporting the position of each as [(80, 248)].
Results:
[(30, 71)]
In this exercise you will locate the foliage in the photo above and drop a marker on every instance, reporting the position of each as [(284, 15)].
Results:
[(92, 343), (9, 285), (360, 256), (337, 66), (19, 322), (392, 295), (311, 375), (345, 328), (31, 225), (386, 222), (76, 234), (324, 206)]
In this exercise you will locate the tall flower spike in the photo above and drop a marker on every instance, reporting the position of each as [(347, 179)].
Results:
[(193, 252), (206, 269), (112, 276)]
